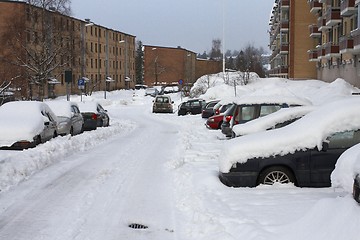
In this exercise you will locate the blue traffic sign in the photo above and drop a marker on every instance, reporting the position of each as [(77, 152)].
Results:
[(181, 82), (81, 82)]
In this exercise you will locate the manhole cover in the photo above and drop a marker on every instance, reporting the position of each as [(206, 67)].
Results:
[(137, 226)]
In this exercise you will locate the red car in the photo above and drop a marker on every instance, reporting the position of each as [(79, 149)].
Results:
[(214, 122)]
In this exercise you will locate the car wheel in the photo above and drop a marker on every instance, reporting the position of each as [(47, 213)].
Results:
[(72, 131), (219, 127), (276, 174), (37, 140), (55, 134)]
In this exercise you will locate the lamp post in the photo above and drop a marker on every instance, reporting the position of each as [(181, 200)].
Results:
[(156, 66), (127, 78), (83, 48)]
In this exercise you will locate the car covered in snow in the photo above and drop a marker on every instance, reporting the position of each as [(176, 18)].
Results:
[(70, 120), (25, 124), (277, 119), (208, 110), (304, 152), (251, 107), (94, 115)]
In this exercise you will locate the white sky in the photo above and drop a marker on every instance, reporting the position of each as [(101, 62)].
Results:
[(186, 23)]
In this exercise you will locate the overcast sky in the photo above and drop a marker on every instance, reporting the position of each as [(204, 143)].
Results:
[(191, 24)]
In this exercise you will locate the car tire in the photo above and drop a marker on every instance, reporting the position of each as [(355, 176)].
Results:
[(72, 131), (276, 174), (219, 127)]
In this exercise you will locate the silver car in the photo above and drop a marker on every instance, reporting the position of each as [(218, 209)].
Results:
[(69, 118)]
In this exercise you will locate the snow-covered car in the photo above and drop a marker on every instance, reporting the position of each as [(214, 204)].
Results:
[(70, 120), (251, 107), (277, 119), (94, 115), (25, 124), (151, 91), (346, 174), (304, 152)]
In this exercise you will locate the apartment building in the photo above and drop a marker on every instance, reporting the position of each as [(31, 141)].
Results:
[(290, 41), (337, 54), (44, 53), (168, 65)]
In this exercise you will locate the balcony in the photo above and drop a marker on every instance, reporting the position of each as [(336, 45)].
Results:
[(346, 44), (284, 48), (347, 8), (315, 6), (284, 26), (320, 52), (313, 55), (332, 17), (321, 23), (285, 4), (356, 40), (332, 50), (314, 31)]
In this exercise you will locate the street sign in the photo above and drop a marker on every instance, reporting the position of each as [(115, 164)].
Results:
[(180, 82), (81, 83)]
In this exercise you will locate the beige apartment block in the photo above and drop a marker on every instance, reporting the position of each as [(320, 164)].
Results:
[(290, 41), (70, 48), (337, 54)]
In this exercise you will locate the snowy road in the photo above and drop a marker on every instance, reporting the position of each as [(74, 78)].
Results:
[(98, 193)]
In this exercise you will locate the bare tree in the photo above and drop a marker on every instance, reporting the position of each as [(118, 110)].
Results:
[(43, 46)]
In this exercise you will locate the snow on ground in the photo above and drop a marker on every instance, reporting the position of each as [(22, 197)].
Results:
[(204, 207)]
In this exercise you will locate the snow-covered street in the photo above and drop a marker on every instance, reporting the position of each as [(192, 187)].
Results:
[(159, 170)]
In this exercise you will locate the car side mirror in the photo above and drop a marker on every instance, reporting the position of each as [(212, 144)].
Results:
[(325, 146)]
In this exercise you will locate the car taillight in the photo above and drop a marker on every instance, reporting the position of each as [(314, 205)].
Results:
[(228, 118), (94, 116)]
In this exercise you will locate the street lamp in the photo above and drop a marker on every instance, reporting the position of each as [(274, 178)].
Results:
[(156, 66), (83, 49), (127, 78)]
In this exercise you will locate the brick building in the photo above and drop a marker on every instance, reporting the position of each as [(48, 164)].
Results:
[(166, 66), (31, 36), (290, 41)]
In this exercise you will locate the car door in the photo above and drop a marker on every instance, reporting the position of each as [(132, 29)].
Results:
[(103, 115), (49, 126), (76, 118), (323, 162), (195, 107)]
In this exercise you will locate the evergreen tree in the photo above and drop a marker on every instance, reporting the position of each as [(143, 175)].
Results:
[(139, 63)]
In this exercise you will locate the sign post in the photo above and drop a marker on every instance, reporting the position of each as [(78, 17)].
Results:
[(181, 82), (81, 86)]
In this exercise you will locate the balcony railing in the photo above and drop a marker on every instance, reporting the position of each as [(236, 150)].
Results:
[(320, 52), (332, 16), (284, 48), (346, 44), (347, 8), (285, 4), (315, 6), (284, 25), (355, 34), (313, 55), (332, 50), (321, 23), (314, 31)]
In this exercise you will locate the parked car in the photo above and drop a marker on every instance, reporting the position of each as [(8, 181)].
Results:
[(94, 115), (278, 119), (208, 110), (249, 108), (214, 122), (25, 124), (151, 91), (163, 104), (70, 120), (304, 152), (193, 106), (221, 107)]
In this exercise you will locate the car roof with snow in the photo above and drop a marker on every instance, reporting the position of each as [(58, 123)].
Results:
[(61, 108), (308, 132), (88, 106), (21, 120), (271, 120)]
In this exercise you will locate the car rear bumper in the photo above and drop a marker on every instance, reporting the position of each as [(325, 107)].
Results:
[(239, 179), (90, 124)]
